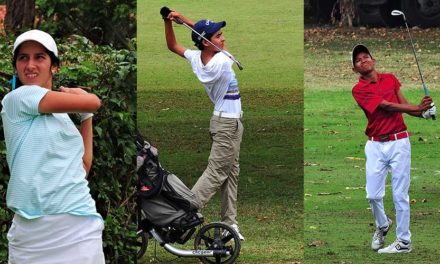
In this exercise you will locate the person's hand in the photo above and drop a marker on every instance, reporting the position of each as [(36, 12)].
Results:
[(430, 112), (72, 90), (83, 116), (425, 104), (175, 16)]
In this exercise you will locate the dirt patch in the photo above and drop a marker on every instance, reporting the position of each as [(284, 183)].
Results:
[(327, 34)]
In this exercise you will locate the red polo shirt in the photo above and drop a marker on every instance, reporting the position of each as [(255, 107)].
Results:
[(369, 94)]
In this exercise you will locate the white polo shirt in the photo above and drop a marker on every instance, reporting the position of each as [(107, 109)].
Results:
[(219, 80)]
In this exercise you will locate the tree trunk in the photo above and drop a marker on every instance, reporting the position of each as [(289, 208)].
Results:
[(345, 10), (20, 15)]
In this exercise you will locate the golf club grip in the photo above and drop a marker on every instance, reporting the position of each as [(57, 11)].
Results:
[(165, 11)]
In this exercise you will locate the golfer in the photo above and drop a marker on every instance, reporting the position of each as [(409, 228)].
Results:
[(388, 146), (55, 217), (214, 71)]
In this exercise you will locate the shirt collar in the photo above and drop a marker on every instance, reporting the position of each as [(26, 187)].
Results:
[(368, 82)]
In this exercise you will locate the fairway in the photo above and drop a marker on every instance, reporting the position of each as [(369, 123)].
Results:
[(174, 112), (338, 224)]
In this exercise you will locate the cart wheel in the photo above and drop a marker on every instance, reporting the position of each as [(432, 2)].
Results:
[(218, 236), (141, 243)]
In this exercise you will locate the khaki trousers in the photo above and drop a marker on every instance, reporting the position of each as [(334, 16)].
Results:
[(223, 167)]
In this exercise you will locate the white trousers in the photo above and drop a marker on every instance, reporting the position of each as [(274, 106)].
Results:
[(394, 156), (56, 239)]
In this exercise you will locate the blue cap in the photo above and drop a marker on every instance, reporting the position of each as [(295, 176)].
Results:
[(206, 28)]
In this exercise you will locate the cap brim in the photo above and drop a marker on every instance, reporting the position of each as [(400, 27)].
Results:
[(217, 26)]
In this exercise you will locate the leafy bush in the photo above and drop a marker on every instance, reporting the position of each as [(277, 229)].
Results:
[(104, 22), (112, 76)]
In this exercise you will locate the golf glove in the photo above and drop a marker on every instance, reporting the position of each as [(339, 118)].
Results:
[(85, 116), (429, 113)]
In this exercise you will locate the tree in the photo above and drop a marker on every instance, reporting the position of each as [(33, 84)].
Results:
[(20, 14), (346, 10)]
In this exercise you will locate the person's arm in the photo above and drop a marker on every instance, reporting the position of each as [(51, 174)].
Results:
[(405, 107), (69, 100), (86, 130), (403, 100), (79, 101), (169, 32)]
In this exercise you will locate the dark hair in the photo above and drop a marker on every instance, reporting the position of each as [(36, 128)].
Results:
[(199, 45), (53, 59)]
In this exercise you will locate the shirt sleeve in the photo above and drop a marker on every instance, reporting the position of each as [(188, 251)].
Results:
[(22, 103), (366, 99), (189, 54), (397, 83)]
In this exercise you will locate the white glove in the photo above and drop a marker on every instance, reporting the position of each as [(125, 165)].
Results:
[(429, 113), (85, 116)]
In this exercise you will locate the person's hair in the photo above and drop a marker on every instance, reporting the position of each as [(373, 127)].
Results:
[(53, 59), (200, 44)]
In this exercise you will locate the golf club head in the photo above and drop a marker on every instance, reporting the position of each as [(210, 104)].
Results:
[(398, 13)]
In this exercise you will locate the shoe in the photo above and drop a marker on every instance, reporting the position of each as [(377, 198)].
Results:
[(237, 230), (235, 227), (397, 247), (379, 236)]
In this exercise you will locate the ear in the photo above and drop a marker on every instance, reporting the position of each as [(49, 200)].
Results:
[(54, 69), (354, 70), (205, 43)]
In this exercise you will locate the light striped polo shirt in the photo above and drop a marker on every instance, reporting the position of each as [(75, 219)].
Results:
[(219, 80), (44, 154)]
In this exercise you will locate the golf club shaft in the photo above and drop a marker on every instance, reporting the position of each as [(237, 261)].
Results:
[(178, 20), (425, 89), (165, 11)]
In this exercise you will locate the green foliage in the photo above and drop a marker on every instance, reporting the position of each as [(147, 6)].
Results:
[(104, 22), (111, 75), (5, 215)]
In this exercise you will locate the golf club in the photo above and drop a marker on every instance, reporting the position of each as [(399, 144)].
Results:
[(400, 13), (165, 11)]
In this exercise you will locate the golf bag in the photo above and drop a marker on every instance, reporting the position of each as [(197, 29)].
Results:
[(164, 199)]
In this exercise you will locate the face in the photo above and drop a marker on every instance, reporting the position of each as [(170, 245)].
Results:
[(363, 63), (218, 39), (34, 66)]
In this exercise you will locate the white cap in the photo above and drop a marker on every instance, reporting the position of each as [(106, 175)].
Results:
[(39, 36)]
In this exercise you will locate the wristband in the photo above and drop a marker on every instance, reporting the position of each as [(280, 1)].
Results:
[(85, 116)]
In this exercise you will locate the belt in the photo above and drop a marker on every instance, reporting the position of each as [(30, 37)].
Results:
[(228, 115), (390, 137)]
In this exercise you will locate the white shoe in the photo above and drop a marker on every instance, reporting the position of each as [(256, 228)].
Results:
[(397, 247), (379, 236), (235, 227)]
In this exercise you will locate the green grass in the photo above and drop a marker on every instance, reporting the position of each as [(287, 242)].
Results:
[(337, 217), (174, 112)]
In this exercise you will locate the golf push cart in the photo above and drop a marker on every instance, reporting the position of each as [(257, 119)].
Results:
[(168, 214)]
